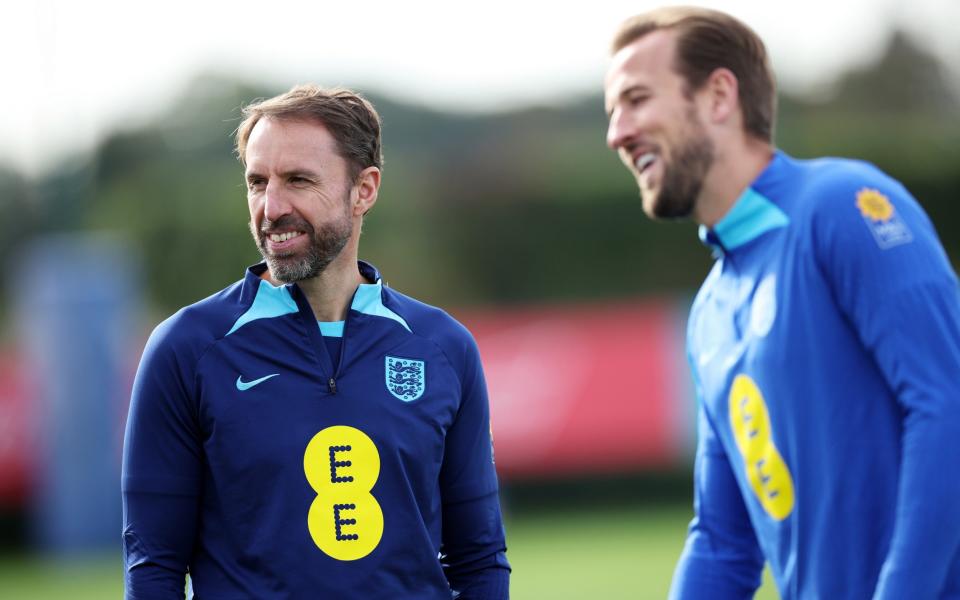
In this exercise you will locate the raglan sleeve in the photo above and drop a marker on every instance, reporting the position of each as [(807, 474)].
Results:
[(721, 559), (161, 473), (892, 280), (473, 541)]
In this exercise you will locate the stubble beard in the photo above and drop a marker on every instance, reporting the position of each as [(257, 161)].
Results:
[(683, 176), (326, 244)]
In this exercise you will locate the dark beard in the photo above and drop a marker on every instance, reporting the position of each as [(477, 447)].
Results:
[(683, 179), (326, 243)]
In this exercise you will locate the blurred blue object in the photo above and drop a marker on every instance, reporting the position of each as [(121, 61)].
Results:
[(77, 303)]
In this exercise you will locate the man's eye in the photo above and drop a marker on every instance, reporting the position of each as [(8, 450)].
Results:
[(255, 184)]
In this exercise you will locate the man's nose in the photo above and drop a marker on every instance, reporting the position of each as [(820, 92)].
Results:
[(617, 131), (275, 203)]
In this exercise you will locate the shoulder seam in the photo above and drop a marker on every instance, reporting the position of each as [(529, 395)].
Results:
[(443, 313)]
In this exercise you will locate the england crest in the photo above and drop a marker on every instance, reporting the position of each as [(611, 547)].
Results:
[(406, 377)]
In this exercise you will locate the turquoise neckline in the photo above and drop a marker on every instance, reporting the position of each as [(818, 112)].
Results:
[(752, 215), (275, 301)]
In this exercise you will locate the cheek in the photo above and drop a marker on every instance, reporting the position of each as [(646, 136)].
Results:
[(255, 207)]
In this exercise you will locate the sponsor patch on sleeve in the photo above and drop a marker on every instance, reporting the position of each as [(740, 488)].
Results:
[(881, 217)]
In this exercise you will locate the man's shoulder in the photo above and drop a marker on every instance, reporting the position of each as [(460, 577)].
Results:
[(203, 322), (853, 213), (830, 195), (825, 180), (429, 321)]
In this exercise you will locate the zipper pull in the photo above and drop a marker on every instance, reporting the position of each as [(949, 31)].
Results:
[(332, 384)]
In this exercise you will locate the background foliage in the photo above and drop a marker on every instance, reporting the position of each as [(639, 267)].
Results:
[(500, 208), (484, 209)]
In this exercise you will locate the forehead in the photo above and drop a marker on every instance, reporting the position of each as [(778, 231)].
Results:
[(289, 142), (647, 61)]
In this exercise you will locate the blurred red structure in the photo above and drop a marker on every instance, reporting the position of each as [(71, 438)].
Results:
[(585, 390), (578, 390), (17, 439)]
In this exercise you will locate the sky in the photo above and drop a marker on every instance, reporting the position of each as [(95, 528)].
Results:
[(75, 71)]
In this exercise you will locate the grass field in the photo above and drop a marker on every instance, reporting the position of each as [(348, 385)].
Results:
[(624, 553), (617, 554)]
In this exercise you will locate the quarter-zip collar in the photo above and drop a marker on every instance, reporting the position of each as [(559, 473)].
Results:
[(265, 300), (752, 215)]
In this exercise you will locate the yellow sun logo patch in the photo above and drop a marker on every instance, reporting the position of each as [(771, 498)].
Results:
[(873, 205), (880, 216)]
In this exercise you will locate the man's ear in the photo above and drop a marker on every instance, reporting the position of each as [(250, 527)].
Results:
[(366, 189), (720, 94)]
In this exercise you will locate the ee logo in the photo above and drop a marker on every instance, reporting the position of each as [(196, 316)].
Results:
[(342, 465), (767, 472)]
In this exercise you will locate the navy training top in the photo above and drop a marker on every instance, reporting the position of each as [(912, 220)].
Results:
[(269, 469)]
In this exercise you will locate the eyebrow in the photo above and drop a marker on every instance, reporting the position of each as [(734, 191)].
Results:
[(626, 92), (299, 173), (286, 174)]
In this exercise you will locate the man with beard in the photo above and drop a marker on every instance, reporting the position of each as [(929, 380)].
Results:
[(308, 432), (824, 344)]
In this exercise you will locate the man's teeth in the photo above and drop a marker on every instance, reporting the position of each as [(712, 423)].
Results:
[(282, 237), (645, 160)]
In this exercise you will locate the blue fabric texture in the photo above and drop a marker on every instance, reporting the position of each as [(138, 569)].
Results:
[(268, 468), (825, 347)]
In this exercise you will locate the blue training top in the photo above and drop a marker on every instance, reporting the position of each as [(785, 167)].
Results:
[(825, 347), (269, 469)]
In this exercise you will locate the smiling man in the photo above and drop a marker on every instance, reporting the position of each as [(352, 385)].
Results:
[(308, 432), (824, 344)]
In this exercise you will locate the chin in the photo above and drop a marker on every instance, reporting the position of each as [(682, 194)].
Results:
[(649, 201), (665, 208)]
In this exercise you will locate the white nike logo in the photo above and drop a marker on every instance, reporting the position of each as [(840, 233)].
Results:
[(246, 385)]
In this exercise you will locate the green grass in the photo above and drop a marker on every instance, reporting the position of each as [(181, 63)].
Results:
[(624, 553), (556, 554), (93, 578)]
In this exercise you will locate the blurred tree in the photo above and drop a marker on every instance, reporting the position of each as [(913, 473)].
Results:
[(906, 79), (517, 206), (903, 114), (18, 208), (19, 218)]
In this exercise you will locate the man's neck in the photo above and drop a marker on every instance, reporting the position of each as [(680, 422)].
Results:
[(732, 173), (331, 292)]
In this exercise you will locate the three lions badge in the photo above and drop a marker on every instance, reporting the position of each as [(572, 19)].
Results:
[(405, 377)]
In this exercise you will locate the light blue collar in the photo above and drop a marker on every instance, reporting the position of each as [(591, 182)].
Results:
[(369, 301), (270, 301), (752, 215), (331, 328), (275, 301)]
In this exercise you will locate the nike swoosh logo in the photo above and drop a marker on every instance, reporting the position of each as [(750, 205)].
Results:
[(246, 385)]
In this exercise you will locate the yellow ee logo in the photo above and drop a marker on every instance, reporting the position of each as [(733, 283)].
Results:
[(767, 472), (342, 465)]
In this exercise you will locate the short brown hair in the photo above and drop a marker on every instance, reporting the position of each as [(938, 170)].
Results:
[(350, 118), (708, 40)]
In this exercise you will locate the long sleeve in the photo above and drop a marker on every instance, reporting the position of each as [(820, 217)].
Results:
[(893, 282), (475, 562), (721, 559), (161, 476), (919, 351), (473, 544)]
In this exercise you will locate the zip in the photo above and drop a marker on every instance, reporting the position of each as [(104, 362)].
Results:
[(310, 321), (332, 382)]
